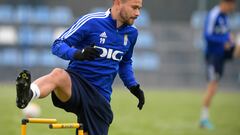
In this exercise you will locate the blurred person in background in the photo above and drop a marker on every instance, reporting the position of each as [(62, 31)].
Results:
[(99, 46), (220, 48)]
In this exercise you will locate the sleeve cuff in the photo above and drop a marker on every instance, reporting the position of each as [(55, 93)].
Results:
[(71, 53), (132, 84)]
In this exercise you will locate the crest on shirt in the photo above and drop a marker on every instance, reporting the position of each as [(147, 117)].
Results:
[(125, 39), (103, 37)]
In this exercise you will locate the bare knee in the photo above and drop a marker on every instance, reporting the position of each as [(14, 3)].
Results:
[(60, 77), (237, 52), (63, 83), (57, 72)]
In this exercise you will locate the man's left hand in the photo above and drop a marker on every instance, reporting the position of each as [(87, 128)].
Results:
[(136, 91)]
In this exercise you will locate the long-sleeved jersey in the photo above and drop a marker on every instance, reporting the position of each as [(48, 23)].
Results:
[(216, 32), (115, 44)]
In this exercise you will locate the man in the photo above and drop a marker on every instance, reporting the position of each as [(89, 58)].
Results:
[(98, 45), (220, 48)]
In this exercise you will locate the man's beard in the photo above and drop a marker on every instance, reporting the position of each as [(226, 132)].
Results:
[(125, 18)]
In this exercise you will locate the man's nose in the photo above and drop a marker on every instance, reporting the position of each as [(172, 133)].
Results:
[(137, 13)]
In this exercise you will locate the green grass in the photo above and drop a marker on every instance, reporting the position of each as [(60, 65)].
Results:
[(167, 112)]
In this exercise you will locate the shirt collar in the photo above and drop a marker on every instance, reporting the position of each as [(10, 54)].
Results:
[(114, 22)]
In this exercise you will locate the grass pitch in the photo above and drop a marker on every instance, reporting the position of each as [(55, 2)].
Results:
[(166, 112)]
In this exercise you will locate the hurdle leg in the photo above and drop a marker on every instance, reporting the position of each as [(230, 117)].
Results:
[(23, 129), (80, 130)]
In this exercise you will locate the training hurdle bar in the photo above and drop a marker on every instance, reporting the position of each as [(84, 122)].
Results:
[(52, 124), (78, 126)]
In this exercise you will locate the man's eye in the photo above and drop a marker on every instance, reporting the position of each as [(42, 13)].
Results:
[(134, 7)]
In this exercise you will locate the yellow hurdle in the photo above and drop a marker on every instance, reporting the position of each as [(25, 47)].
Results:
[(52, 124), (23, 129), (68, 125), (39, 120), (34, 120), (80, 132), (64, 125)]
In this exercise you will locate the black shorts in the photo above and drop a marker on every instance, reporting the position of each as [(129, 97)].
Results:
[(91, 108), (214, 67), (215, 64)]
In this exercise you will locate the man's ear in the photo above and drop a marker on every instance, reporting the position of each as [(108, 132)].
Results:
[(117, 2)]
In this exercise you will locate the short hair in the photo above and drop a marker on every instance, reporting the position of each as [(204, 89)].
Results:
[(124, 1), (229, 0), (121, 1)]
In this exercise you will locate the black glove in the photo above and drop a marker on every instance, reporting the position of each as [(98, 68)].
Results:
[(136, 91), (88, 53)]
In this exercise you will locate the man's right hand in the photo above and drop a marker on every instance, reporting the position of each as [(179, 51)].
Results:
[(88, 53), (227, 46)]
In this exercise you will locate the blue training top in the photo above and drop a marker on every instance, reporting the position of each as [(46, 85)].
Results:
[(115, 44), (216, 32)]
